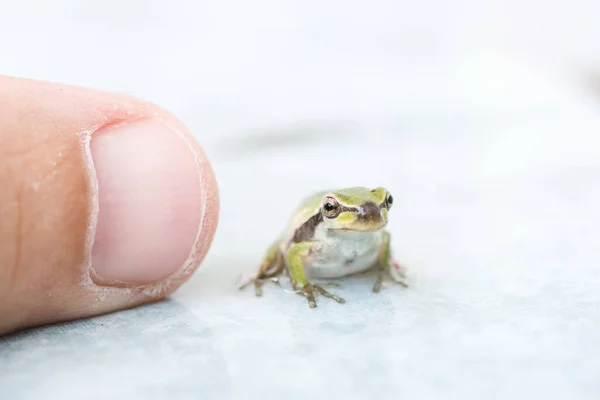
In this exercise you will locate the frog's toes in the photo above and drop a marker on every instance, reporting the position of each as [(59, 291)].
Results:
[(398, 278), (310, 296), (245, 284), (377, 285), (258, 284), (329, 295), (309, 292), (401, 281), (398, 273)]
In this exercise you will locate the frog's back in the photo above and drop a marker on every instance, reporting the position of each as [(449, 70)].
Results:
[(307, 209)]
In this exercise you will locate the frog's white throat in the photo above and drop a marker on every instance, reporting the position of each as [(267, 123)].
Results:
[(340, 253)]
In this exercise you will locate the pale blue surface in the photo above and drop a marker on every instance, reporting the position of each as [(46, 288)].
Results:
[(493, 161)]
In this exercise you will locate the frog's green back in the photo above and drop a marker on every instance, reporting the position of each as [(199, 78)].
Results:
[(306, 209)]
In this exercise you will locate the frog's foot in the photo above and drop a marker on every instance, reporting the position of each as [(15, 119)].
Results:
[(258, 284), (309, 291), (396, 271), (378, 282)]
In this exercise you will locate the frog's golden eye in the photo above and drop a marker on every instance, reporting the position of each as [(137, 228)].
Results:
[(389, 201), (331, 207)]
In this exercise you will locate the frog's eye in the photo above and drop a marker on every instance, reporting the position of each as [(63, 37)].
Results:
[(331, 207), (389, 201)]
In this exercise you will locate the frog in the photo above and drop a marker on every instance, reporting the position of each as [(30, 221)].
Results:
[(332, 235)]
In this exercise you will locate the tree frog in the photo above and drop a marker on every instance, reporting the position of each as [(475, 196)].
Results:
[(332, 235)]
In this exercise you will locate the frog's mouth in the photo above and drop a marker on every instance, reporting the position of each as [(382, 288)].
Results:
[(359, 230)]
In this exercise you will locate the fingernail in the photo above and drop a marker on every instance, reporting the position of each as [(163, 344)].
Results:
[(149, 202)]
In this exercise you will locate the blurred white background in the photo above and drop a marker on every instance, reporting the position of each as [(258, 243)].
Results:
[(226, 65), (478, 115)]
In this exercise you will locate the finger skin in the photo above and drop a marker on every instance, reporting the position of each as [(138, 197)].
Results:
[(48, 203)]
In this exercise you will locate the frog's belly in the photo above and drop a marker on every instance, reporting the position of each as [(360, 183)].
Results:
[(333, 263)]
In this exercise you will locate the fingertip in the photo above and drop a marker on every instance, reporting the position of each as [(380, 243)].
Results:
[(119, 223)]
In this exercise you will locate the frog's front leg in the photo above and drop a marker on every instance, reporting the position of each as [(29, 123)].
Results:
[(387, 265), (296, 255)]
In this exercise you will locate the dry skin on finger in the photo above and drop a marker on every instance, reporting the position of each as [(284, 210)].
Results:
[(49, 202)]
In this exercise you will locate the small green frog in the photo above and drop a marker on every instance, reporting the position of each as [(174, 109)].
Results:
[(332, 235)]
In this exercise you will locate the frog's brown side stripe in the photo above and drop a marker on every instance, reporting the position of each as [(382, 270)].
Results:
[(307, 229)]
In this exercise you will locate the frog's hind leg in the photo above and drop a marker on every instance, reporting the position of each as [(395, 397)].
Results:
[(273, 264), (398, 272)]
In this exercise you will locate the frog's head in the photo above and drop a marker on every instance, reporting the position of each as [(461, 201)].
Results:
[(356, 209)]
